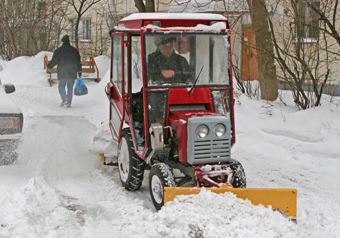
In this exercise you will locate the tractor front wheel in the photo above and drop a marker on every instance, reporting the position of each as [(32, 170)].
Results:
[(239, 178), (130, 166), (161, 176)]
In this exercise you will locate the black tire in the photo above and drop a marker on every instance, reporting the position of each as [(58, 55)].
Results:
[(160, 176), (239, 178), (130, 166)]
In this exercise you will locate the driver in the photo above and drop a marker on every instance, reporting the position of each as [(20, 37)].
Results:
[(166, 66)]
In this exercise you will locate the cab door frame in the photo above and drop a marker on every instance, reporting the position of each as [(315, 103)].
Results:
[(116, 90)]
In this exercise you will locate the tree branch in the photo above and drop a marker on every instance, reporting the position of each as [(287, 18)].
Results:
[(324, 18)]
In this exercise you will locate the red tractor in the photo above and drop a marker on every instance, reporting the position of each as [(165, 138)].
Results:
[(171, 104)]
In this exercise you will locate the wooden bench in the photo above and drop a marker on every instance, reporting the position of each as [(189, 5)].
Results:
[(87, 67)]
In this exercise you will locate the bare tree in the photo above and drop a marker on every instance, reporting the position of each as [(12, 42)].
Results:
[(110, 13), (303, 51), (80, 7), (28, 27), (57, 21), (5, 6)]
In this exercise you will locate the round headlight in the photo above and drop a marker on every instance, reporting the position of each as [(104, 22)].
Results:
[(202, 131), (219, 130)]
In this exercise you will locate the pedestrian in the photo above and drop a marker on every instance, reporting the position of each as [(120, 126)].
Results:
[(165, 65), (68, 60)]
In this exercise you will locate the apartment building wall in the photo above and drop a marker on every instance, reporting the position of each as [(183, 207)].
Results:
[(102, 17), (320, 50)]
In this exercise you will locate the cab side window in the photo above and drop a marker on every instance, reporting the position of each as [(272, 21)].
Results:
[(117, 67), (136, 64)]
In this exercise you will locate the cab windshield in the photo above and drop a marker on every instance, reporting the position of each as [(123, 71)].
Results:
[(176, 60)]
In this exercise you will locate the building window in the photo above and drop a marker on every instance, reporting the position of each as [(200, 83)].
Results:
[(84, 30), (307, 20), (72, 29)]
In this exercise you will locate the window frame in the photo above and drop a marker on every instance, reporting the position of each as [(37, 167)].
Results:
[(81, 30), (228, 80), (307, 25), (85, 30)]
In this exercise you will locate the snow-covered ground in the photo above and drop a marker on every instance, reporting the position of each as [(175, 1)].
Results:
[(59, 188)]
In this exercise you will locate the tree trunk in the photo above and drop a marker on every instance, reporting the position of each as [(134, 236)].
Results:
[(265, 51), (150, 6), (139, 4), (76, 35)]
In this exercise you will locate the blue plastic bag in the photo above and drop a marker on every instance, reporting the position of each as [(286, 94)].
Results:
[(80, 88)]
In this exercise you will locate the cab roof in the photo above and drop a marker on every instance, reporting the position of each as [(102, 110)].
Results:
[(136, 21)]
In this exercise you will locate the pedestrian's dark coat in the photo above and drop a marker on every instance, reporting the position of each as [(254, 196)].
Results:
[(68, 60)]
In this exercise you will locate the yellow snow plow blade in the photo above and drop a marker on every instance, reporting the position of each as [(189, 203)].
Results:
[(283, 199)]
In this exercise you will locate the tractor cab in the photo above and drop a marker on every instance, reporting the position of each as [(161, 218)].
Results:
[(171, 103), (198, 61)]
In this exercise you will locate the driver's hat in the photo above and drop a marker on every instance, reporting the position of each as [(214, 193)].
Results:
[(163, 39)]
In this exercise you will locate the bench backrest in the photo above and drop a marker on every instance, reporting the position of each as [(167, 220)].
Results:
[(86, 66)]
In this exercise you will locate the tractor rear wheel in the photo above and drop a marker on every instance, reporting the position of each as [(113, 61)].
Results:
[(130, 166), (161, 176)]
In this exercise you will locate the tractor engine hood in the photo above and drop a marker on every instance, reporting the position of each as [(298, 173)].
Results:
[(185, 115), (185, 123), (179, 119)]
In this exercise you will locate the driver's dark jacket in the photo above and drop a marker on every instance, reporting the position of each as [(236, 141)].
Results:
[(68, 60), (158, 62)]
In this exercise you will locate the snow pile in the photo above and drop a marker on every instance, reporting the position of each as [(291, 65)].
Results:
[(58, 187), (315, 131), (103, 143), (220, 215), (25, 70), (38, 210), (203, 215)]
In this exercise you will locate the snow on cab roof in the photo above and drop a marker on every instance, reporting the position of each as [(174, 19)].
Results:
[(177, 16)]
